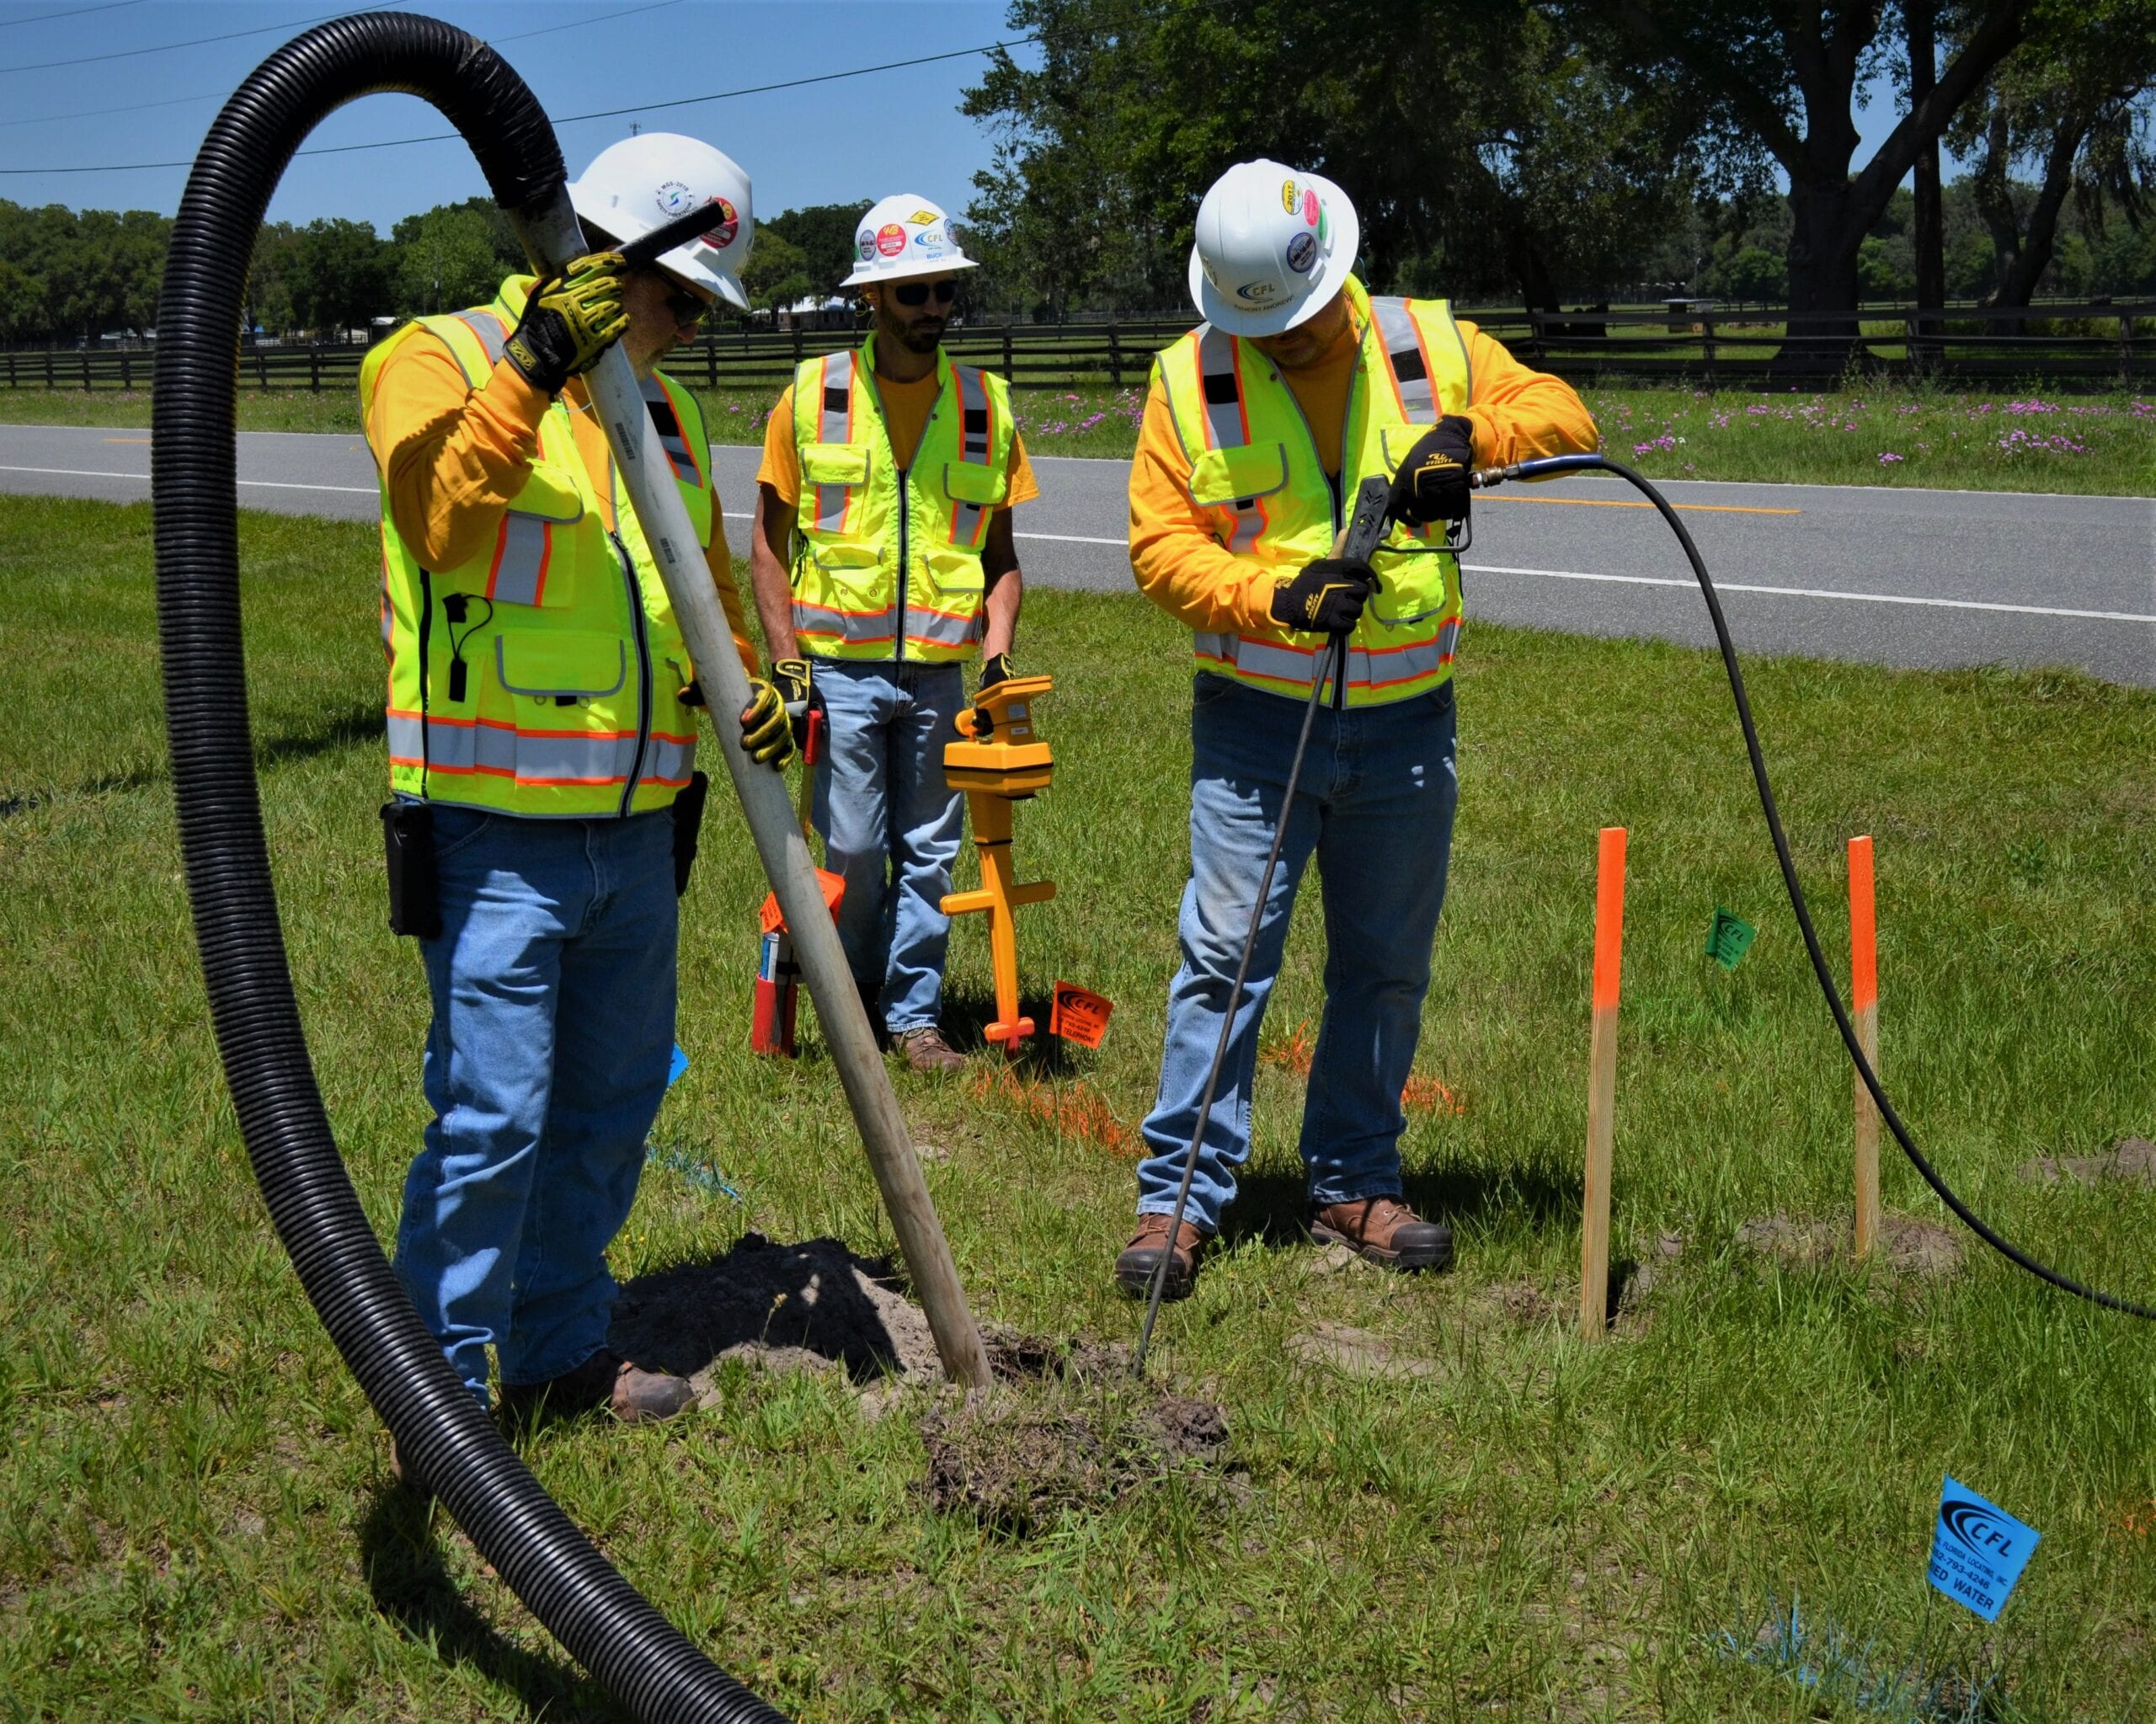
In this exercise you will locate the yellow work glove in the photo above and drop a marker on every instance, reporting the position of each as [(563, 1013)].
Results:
[(766, 730), (569, 321)]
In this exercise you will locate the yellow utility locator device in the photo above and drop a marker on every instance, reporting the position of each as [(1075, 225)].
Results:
[(998, 761)]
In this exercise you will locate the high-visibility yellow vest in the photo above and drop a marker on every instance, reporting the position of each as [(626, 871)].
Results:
[(544, 676), (1256, 473), (886, 562)]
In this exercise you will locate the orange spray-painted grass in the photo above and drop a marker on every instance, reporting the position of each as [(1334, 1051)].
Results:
[(1420, 1095), (1077, 1109)]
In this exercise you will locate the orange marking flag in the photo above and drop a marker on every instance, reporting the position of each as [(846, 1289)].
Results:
[(772, 918), (1079, 1015)]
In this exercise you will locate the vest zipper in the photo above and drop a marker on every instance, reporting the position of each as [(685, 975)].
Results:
[(906, 511), (1338, 489), (635, 590)]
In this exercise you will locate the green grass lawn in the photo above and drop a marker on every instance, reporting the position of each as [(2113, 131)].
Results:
[(195, 1516), (2029, 440)]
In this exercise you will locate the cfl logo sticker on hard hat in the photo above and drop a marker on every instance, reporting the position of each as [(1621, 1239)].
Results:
[(1257, 292), (1302, 252), (890, 239)]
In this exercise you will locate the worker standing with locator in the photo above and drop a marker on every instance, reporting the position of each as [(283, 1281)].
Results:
[(882, 555), (1259, 428), (541, 745)]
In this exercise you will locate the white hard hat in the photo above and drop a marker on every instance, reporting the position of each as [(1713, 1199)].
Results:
[(1273, 247), (904, 236), (644, 182)]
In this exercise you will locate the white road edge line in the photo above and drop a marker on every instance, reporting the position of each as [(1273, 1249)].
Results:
[(1731, 586), (83, 473)]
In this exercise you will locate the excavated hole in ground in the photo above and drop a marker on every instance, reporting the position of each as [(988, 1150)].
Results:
[(1066, 1425)]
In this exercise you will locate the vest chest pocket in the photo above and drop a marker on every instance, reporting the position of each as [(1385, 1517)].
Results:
[(561, 663), (1414, 585), (976, 483), (1219, 478)]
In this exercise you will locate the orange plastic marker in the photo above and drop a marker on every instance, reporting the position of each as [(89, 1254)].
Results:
[(1864, 1007), (1602, 1085)]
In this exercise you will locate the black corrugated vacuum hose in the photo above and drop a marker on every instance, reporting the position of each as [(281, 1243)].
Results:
[(1548, 466), (552, 1565)]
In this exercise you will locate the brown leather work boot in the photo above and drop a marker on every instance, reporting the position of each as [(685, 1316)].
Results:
[(1383, 1230), (1141, 1258), (926, 1050), (632, 1395)]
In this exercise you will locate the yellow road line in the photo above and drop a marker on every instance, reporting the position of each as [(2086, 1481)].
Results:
[(1614, 503), (126, 440)]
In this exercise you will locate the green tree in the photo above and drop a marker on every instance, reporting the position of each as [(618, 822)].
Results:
[(446, 260), (822, 234), (343, 275), (777, 272)]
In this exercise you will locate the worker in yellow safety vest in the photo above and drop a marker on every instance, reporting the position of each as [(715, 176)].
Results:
[(542, 755), (1259, 427), (882, 557)]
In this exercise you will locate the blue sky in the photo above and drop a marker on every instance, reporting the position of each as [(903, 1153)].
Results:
[(855, 139), (849, 140)]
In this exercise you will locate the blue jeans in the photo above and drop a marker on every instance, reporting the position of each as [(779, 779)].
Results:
[(891, 827), (553, 981), (1375, 806)]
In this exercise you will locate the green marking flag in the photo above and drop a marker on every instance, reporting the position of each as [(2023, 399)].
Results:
[(1729, 939)]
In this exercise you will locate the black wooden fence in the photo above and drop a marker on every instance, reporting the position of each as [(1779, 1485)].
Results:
[(2091, 342)]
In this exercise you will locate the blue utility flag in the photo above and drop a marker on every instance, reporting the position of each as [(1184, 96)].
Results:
[(679, 1066), (1978, 1550)]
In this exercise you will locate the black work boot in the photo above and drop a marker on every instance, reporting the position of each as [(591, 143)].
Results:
[(1383, 1230), (1141, 1258)]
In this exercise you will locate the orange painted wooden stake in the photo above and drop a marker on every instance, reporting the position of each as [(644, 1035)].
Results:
[(1602, 1085), (1863, 1008)]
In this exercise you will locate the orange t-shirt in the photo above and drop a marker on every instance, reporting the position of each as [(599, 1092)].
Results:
[(1516, 412), (906, 408)]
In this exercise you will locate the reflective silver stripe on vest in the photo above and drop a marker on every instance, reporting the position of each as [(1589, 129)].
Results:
[(1296, 665), (857, 628), (938, 629), (1403, 351), (673, 442), (522, 550), (455, 746), (973, 441), (832, 426), (493, 335), (1221, 384), (669, 760)]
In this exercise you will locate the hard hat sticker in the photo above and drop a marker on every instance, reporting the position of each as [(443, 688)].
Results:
[(1288, 199), (890, 239), (921, 218), (1302, 252), (720, 237), (1256, 291), (865, 246), (1977, 1551), (1311, 207)]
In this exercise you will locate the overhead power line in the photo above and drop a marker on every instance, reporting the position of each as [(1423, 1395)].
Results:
[(7, 24), (435, 137), (168, 47), (220, 95)]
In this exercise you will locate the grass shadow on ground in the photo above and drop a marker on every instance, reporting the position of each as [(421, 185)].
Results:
[(967, 1012), (408, 1578), (1273, 1204)]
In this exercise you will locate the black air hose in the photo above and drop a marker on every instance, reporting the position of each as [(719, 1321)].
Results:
[(440, 1430)]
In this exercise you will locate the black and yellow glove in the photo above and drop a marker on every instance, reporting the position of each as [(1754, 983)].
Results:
[(1432, 483), (994, 669), (569, 320), (766, 732), (797, 686), (1324, 597)]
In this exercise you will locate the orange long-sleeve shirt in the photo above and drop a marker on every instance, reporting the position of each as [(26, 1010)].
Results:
[(1518, 413), (455, 456)]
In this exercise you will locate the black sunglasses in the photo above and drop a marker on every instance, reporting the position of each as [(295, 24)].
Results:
[(916, 293), (685, 307)]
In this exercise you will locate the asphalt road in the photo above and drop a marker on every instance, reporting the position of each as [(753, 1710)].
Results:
[(1931, 578)]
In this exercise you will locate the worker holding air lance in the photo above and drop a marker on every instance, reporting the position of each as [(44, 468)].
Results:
[(881, 553), (542, 746), (1264, 429)]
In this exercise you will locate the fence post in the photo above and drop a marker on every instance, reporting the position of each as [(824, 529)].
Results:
[(86, 366), (314, 367), (51, 381), (126, 370), (711, 363), (1707, 325), (1007, 353), (797, 355), (2125, 349), (261, 369), (1115, 357)]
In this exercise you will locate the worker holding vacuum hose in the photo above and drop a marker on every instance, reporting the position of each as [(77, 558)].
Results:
[(1259, 427), (541, 744), (881, 555)]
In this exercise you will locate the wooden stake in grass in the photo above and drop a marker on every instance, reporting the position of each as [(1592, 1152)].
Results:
[(1864, 1007), (1602, 1085)]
